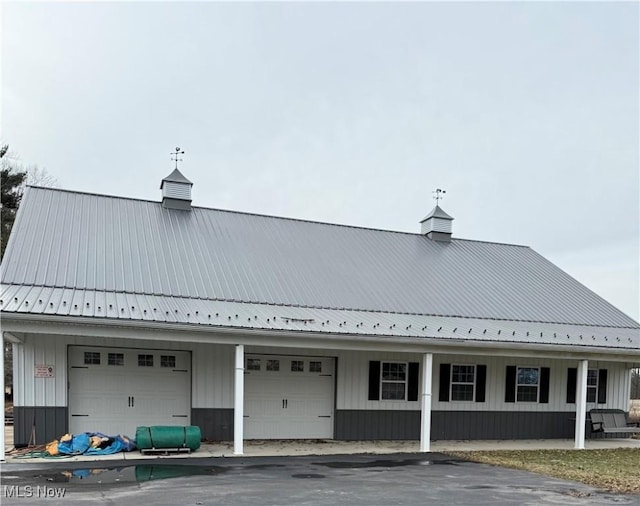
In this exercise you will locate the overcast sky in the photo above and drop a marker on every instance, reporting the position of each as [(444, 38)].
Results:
[(527, 114)]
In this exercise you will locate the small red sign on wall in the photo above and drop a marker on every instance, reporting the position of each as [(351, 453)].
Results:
[(44, 371)]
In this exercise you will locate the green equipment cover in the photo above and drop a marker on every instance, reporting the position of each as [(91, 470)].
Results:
[(162, 436)]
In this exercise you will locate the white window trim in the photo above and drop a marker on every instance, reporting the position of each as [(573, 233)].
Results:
[(474, 383), (405, 381), (537, 401)]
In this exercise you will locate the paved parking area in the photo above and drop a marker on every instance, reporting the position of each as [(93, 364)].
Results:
[(309, 480)]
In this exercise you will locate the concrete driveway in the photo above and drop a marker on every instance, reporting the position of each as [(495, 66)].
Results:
[(314, 480)]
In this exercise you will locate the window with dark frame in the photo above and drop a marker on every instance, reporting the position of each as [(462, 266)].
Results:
[(91, 358), (167, 360), (596, 386), (145, 360), (315, 366), (273, 365), (115, 359), (253, 364), (297, 366), (527, 384), (463, 378), (393, 381), (592, 385)]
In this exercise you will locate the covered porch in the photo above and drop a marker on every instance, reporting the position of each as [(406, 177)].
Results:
[(219, 373)]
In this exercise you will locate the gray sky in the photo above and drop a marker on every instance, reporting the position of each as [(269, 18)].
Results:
[(526, 113)]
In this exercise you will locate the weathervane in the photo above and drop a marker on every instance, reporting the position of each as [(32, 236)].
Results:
[(438, 194), (176, 159)]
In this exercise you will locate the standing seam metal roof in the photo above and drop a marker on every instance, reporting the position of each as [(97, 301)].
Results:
[(115, 307), (91, 242)]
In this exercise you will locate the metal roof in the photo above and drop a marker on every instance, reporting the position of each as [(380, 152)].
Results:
[(241, 315), (77, 248), (175, 177), (437, 212)]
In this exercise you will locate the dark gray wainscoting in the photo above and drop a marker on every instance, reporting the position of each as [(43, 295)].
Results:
[(451, 425), (46, 423), (358, 424), (501, 425), (215, 424)]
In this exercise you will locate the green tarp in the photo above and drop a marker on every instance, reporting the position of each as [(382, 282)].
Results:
[(161, 436)]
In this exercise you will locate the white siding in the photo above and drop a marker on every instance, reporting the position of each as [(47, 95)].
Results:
[(40, 391), (213, 375), (353, 383), (210, 365)]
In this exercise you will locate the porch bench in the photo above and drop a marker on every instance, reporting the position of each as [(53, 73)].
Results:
[(612, 421)]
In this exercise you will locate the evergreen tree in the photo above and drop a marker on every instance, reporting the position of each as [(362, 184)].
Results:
[(12, 180)]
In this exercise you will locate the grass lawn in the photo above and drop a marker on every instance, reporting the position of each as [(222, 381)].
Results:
[(615, 470)]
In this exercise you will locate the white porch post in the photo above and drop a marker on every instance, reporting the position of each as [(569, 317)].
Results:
[(2, 441), (238, 408), (581, 403), (425, 415)]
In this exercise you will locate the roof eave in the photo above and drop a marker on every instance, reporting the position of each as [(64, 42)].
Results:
[(70, 325)]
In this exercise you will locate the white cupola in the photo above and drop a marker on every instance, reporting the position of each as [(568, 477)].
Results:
[(176, 191), (437, 225)]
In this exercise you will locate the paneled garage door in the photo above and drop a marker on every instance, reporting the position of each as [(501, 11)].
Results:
[(288, 397), (114, 390)]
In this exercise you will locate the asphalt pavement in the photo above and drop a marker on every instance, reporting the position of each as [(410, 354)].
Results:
[(412, 479)]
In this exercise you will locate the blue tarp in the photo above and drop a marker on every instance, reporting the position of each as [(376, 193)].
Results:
[(94, 443)]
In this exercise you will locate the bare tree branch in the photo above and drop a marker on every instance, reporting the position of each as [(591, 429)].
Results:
[(37, 176)]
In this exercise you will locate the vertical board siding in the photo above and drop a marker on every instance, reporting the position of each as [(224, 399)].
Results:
[(212, 368), (213, 376), (617, 385), (38, 424), (353, 383), (375, 424), (453, 425), (215, 424), (34, 351), (19, 381), (449, 425)]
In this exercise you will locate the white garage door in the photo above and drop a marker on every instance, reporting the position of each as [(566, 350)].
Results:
[(288, 397), (114, 390)]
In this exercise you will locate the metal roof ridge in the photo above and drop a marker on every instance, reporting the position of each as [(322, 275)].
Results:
[(232, 211), (328, 308), (491, 242), (93, 194), (272, 216)]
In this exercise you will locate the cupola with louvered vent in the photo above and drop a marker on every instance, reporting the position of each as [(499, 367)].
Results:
[(176, 191), (437, 225)]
